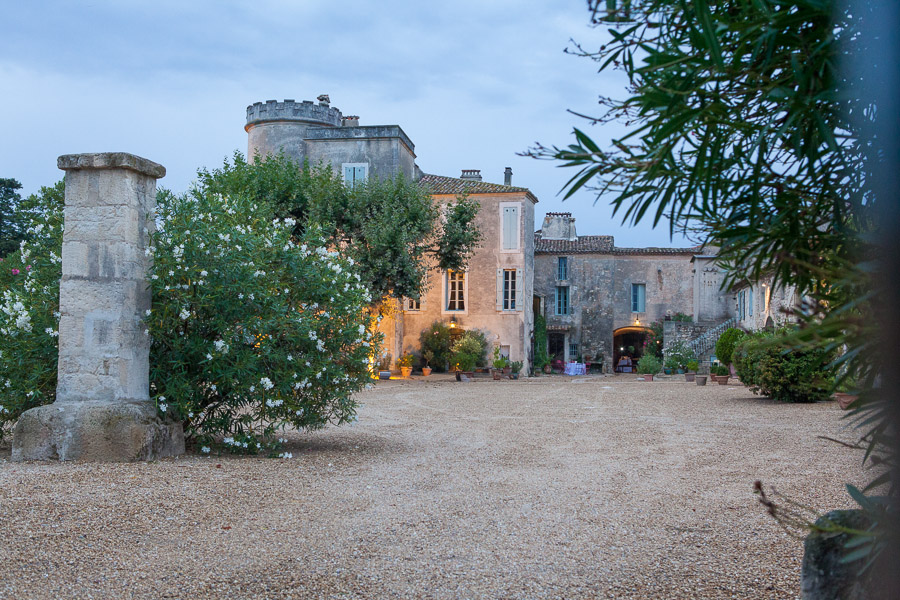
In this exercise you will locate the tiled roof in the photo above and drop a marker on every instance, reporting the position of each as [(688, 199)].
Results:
[(583, 245), (690, 251), (598, 244), (452, 185)]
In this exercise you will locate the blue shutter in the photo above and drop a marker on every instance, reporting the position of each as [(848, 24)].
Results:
[(348, 175)]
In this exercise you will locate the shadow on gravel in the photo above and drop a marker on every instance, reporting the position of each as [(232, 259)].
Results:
[(344, 442)]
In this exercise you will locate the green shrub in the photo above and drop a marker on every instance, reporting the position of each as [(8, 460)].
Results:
[(469, 351), (541, 357), (436, 346), (726, 342), (648, 365), (499, 362), (653, 342), (692, 366), (516, 366), (720, 370), (252, 330), (767, 365), (683, 318)]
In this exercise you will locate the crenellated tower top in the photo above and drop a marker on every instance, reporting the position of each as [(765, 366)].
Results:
[(321, 114)]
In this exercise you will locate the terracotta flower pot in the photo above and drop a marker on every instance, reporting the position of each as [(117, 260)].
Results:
[(647, 377), (497, 373), (845, 400), (405, 371), (548, 369), (700, 379), (723, 379), (689, 377), (426, 371)]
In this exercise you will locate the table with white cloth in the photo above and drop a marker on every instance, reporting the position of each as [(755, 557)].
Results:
[(574, 368)]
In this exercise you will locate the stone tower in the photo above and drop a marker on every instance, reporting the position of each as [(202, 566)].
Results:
[(319, 133), (273, 126)]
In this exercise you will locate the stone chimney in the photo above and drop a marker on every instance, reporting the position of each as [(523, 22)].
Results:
[(472, 174), (559, 226), (507, 176), (350, 121)]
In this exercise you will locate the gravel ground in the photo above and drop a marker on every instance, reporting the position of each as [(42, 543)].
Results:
[(555, 487)]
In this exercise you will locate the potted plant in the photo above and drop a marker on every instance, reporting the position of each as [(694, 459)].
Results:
[(647, 366), (405, 363), (722, 374), (672, 364), (500, 363), (515, 368), (466, 353), (384, 366), (846, 394), (428, 355), (692, 366)]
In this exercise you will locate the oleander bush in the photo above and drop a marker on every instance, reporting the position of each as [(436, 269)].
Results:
[(469, 351), (29, 308), (770, 367), (254, 328)]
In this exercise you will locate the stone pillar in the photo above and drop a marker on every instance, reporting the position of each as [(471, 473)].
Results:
[(103, 410)]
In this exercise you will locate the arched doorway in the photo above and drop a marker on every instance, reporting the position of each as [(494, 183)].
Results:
[(629, 341)]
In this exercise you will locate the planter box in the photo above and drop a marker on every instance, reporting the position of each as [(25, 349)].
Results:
[(646, 377), (722, 380)]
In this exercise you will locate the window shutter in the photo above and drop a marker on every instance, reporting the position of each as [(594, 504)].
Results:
[(360, 174), (348, 175), (520, 283), (499, 289), (510, 225)]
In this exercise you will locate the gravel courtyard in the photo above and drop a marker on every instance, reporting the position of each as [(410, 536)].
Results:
[(555, 487)]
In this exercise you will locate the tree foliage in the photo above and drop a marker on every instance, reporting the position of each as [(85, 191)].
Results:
[(390, 227), (11, 225), (744, 132)]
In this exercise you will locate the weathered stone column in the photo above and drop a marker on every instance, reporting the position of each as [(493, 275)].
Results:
[(103, 410)]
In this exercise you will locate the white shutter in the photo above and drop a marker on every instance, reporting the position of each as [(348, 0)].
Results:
[(499, 289), (520, 284), (510, 227)]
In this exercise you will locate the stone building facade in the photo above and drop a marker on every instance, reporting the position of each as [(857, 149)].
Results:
[(598, 298), (494, 295)]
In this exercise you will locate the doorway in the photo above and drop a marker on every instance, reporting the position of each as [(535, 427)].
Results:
[(556, 346), (629, 341)]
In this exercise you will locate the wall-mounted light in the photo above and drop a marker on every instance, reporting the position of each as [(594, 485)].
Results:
[(452, 322)]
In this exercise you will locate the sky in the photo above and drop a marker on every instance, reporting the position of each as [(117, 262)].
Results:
[(473, 84)]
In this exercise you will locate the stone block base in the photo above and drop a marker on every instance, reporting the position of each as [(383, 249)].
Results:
[(95, 431)]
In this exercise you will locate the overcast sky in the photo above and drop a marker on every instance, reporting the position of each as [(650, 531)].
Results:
[(471, 82)]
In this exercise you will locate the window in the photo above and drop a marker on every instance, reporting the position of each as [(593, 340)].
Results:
[(562, 300), (413, 304), (509, 215), (562, 268), (355, 173), (742, 305), (638, 297), (509, 289), (573, 351), (750, 301), (456, 290)]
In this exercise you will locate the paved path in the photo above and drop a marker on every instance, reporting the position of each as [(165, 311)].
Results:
[(555, 487)]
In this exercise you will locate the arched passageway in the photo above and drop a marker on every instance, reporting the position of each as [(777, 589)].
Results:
[(629, 341)]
